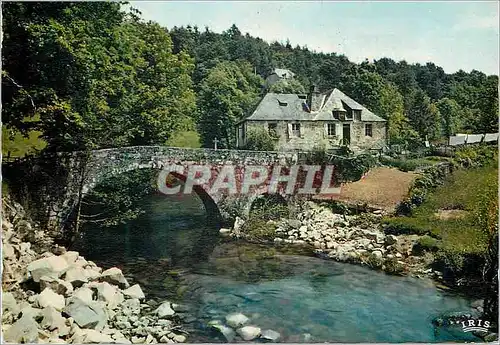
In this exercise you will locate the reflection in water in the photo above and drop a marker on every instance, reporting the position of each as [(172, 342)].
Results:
[(174, 254)]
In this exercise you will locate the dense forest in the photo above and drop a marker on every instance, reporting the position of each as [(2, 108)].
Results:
[(90, 75)]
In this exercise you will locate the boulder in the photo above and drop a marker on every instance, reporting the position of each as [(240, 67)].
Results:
[(270, 335), (134, 291), (249, 332), (9, 303), (86, 315), (84, 294), (50, 298), (224, 231), (59, 286), (109, 294), (179, 338), (236, 320), (91, 336), (227, 332), (378, 254), (53, 266), (164, 310), (70, 257), (76, 276), (8, 251), (24, 330), (91, 273), (115, 276), (52, 320)]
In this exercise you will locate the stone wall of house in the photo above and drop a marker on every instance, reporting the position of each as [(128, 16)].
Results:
[(359, 139), (313, 134)]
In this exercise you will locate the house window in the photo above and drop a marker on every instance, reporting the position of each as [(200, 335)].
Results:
[(348, 115), (330, 129), (368, 130), (357, 114), (296, 129), (273, 129)]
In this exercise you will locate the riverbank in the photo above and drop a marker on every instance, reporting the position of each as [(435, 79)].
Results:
[(50, 295)]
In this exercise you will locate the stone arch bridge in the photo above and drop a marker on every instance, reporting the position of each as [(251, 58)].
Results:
[(58, 181)]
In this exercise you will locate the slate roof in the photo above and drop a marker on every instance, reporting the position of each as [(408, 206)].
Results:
[(272, 108), (283, 73)]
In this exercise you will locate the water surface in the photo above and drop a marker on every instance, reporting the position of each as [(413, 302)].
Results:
[(175, 255)]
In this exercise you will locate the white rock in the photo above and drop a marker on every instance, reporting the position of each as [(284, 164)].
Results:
[(53, 266), (114, 276), (84, 294), (378, 254), (70, 257), (269, 334), (76, 276), (134, 291), (24, 330), (52, 320), (227, 332), (91, 336), (164, 310), (50, 298), (91, 274), (179, 338), (249, 332), (109, 294), (236, 320), (225, 231), (57, 285)]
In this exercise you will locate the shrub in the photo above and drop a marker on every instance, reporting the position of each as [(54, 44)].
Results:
[(258, 139), (426, 244)]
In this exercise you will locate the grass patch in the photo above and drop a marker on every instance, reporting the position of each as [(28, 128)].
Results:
[(467, 190)]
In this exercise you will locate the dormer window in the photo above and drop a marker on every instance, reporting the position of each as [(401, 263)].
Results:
[(302, 96), (348, 115), (282, 104)]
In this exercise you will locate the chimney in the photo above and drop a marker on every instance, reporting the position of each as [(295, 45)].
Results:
[(314, 99)]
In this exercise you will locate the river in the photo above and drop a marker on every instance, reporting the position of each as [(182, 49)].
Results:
[(174, 254)]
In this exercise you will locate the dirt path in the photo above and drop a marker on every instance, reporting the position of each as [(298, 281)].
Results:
[(381, 187)]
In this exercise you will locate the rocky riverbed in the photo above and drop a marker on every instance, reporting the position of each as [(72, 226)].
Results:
[(357, 239), (57, 296)]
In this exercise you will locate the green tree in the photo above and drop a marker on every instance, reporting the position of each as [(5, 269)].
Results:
[(258, 139), (450, 116), (93, 75), (287, 86), (391, 107), (228, 93), (424, 116)]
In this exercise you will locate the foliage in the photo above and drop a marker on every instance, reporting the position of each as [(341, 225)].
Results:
[(426, 243), (405, 164), (116, 199), (17, 144), (227, 94), (94, 76), (260, 225), (473, 192), (287, 86), (258, 139), (184, 139)]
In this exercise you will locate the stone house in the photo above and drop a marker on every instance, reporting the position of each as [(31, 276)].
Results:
[(278, 74), (305, 122)]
